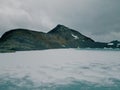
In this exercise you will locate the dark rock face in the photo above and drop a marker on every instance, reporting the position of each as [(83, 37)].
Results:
[(21, 39), (60, 37), (68, 37)]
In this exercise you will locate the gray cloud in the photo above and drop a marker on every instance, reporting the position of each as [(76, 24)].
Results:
[(99, 19)]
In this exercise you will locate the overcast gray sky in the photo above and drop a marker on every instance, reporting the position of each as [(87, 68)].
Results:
[(98, 19)]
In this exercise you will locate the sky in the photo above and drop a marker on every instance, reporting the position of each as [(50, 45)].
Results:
[(98, 19)]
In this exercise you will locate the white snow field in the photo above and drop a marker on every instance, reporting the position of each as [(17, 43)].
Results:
[(60, 69)]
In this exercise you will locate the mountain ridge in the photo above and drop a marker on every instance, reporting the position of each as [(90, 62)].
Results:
[(59, 37)]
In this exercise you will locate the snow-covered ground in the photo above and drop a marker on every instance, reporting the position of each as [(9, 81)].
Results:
[(60, 69)]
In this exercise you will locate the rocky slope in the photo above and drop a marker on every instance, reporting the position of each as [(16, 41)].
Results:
[(60, 37)]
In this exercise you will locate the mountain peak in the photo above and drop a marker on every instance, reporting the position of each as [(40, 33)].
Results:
[(59, 28)]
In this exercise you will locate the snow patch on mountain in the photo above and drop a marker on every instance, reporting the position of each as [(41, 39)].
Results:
[(75, 37)]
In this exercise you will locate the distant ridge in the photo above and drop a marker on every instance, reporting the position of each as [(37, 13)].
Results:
[(59, 37)]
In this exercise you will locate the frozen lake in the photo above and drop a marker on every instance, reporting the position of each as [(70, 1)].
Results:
[(60, 69)]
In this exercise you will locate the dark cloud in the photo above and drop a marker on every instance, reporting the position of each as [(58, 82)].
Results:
[(99, 19)]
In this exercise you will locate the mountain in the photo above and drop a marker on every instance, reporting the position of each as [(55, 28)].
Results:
[(59, 37), (114, 44)]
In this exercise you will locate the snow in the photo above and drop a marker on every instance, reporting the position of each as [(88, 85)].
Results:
[(62, 66), (63, 46), (83, 40), (75, 37), (110, 44)]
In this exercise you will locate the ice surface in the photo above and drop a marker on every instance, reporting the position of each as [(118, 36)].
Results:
[(47, 68)]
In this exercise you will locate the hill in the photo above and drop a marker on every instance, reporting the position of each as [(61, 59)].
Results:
[(59, 37)]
